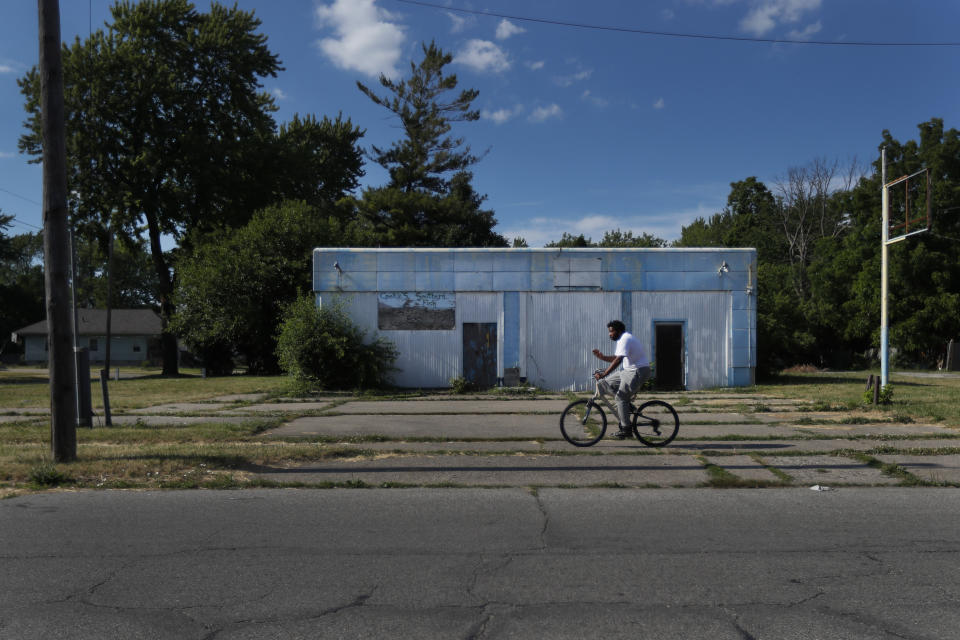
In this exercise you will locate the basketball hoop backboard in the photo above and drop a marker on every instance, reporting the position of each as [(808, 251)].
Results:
[(909, 206)]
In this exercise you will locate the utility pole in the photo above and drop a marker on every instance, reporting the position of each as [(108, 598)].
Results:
[(56, 238)]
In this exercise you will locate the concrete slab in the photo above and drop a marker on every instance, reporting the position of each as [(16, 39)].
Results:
[(794, 416), (453, 406), (492, 396), (610, 446), (744, 467), (850, 430), (715, 430), (709, 417), (240, 397), (750, 401), (455, 427), (278, 407), (933, 468), (828, 470), (181, 407), (631, 471)]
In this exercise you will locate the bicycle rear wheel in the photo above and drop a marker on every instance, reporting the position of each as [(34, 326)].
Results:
[(583, 423), (655, 423)]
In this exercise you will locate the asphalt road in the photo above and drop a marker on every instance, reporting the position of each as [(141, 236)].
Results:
[(480, 563)]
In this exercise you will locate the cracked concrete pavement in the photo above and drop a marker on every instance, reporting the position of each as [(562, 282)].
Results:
[(497, 442), (481, 563)]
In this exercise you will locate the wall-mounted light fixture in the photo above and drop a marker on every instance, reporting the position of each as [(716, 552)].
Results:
[(336, 265), (724, 268)]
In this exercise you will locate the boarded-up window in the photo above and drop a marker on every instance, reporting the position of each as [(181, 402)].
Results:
[(402, 310), (577, 273)]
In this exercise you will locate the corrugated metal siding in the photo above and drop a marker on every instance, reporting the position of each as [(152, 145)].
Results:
[(427, 358), (562, 330), (706, 318)]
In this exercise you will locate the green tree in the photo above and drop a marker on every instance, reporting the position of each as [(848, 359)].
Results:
[(317, 161), (424, 158), (618, 238), (21, 283), (134, 278), (924, 270), (571, 241), (166, 124), (429, 200), (234, 283)]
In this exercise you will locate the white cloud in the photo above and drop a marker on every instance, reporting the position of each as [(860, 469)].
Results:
[(767, 14), (6, 154), (5, 68), (483, 55), (667, 14), (808, 32), (366, 39), (279, 94), (506, 29), (659, 104), (566, 81), (501, 115), (596, 100), (459, 22), (535, 65), (538, 231), (541, 114)]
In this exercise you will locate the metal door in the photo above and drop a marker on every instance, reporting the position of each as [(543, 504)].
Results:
[(480, 353), (669, 355)]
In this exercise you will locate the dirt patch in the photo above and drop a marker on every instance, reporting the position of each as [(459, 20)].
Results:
[(802, 368)]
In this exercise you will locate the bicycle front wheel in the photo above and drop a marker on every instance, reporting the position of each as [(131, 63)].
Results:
[(583, 423), (655, 423)]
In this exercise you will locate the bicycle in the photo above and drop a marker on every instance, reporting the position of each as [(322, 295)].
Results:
[(583, 423)]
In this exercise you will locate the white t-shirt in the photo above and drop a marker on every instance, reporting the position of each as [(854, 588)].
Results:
[(634, 355)]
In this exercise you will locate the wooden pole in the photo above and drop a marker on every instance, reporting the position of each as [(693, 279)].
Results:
[(56, 238), (105, 373)]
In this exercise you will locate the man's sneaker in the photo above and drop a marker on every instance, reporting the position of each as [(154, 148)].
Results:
[(622, 434)]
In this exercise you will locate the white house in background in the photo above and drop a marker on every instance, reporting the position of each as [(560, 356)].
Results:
[(498, 316), (134, 332)]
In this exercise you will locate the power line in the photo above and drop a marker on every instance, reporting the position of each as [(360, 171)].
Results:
[(15, 219), (670, 34), (17, 195)]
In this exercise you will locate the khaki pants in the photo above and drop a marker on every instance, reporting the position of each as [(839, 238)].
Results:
[(625, 383)]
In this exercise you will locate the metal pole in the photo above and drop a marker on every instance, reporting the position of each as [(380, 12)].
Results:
[(885, 234), (76, 321), (56, 237)]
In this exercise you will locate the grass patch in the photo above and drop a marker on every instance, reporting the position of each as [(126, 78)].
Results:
[(893, 470), (20, 390), (46, 475), (784, 477), (720, 478), (920, 398)]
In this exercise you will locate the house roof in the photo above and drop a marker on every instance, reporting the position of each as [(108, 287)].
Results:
[(93, 322)]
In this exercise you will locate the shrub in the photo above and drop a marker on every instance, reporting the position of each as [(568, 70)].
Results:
[(46, 474), (885, 396), (461, 385), (321, 348)]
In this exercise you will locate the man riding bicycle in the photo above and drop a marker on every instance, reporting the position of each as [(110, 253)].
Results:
[(636, 370)]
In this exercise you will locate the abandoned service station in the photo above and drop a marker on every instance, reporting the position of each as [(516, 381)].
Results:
[(514, 316)]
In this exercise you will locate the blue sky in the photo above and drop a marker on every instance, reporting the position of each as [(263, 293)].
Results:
[(587, 130)]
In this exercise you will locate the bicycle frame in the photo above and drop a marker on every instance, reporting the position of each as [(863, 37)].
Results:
[(603, 393)]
